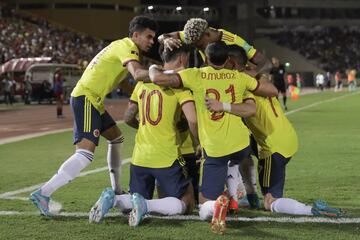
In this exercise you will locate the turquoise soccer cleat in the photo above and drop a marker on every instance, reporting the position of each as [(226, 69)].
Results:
[(321, 208), (41, 202), (139, 209), (102, 206)]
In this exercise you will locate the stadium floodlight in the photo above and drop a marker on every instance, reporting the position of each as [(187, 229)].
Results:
[(179, 8), (206, 9), (150, 7)]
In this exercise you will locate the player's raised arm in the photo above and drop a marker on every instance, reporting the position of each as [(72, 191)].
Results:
[(265, 87), (138, 72), (167, 80), (262, 63), (245, 109)]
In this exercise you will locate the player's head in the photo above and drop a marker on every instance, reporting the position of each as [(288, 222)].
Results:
[(196, 32), (216, 54), (237, 58), (180, 55), (142, 31), (275, 61)]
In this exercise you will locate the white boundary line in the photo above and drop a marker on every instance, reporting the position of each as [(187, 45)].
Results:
[(9, 195), (196, 218), (40, 134), (321, 102)]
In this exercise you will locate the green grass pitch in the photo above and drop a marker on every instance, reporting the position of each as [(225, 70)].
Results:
[(325, 167)]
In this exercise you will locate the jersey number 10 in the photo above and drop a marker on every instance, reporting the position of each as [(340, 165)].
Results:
[(145, 107)]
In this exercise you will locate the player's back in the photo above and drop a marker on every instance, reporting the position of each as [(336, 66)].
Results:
[(156, 143), (271, 128), (220, 133)]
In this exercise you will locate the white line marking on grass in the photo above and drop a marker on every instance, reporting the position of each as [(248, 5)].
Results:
[(54, 207), (196, 218), (320, 102), (31, 135), (40, 134), (34, 187)]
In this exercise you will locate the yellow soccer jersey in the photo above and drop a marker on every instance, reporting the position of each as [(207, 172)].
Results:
[(106, 71), (271, 129), (220, 133), (229, 39), (156, 142)]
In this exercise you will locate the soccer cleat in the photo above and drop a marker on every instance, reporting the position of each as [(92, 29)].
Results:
[(321, 208), (218, 224), (253, 200), (102, 206), (233, 205), (243, 202), (41, 202), (139, 209)]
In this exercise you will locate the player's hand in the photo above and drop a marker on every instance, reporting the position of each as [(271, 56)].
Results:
[(213, 105), (171, 43)]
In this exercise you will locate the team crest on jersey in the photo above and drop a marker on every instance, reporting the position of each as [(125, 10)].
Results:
[(96, 133), (135, 52)]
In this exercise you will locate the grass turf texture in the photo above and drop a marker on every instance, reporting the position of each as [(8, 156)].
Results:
[(326, 166)]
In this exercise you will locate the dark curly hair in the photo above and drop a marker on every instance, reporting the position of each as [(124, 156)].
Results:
[(140, 23)]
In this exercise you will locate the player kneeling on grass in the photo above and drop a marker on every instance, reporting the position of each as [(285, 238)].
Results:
[(277, 142), (217, 131), (156, 154), (103, 74)]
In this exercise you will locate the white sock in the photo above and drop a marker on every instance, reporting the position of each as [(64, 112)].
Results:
[(234, 182), (290, 206), (206, 210), (69, 170), (248, 172), (114, 163), (123, 202), (166, 206)]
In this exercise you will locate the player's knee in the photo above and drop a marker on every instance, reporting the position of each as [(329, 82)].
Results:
[(86, 144), (112, 133), (268, 200)]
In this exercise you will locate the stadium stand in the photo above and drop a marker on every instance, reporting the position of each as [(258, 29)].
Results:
[(334, 48), (29, 36)]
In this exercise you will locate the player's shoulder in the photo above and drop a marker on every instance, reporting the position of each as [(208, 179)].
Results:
[(125, 43)]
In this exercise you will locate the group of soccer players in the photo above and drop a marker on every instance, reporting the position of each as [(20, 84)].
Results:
[(180, 111)]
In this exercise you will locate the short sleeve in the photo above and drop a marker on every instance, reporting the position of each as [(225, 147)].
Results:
[(248, 95), (135, 94), (189, 78), (181, 35), (128, 52), (183, 96), (251, 84)]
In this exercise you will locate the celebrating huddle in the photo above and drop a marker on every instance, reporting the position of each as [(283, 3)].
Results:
[(183, 114)]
